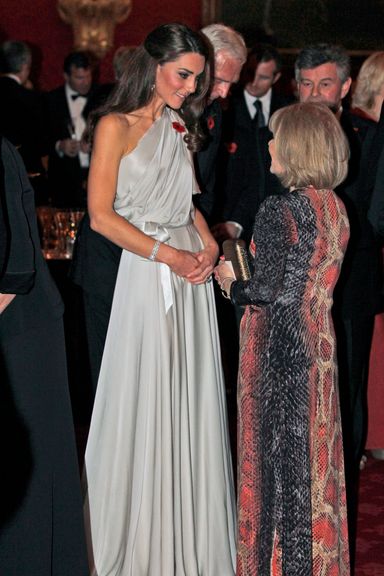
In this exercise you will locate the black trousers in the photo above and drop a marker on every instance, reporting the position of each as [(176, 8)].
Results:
[(354, 337), (41, 519), (97, 311)]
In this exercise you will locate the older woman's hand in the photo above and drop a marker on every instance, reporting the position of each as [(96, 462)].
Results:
[(224, 270), (224, 275)]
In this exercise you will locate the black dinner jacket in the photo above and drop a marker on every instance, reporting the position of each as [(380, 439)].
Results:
[(244, 179), (376, 170), (25, 272), (22, 121), (4, 232), (358, 290), (206, 159), (65, 175)]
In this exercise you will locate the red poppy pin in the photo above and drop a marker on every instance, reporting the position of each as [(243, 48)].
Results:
[(210, 122), (231, 147), (178, 127)]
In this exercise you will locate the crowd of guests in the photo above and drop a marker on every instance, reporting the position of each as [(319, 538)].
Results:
[(192, 145), (48, 129)]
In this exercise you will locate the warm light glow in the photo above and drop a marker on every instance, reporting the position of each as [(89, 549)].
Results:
[(94, 21)]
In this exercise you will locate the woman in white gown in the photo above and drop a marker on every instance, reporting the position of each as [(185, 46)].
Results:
[(160, 498)]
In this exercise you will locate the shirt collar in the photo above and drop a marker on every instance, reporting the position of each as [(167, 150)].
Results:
[(70, 92), (265, 100), (13, 77)]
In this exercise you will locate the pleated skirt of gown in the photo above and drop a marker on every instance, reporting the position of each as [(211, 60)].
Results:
[(160, 496)]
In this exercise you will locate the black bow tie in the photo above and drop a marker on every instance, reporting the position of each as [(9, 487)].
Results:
[(74, 96)]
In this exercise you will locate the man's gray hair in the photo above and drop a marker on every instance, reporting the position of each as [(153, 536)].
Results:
[(317, 54), (227, 39), (13, 55)]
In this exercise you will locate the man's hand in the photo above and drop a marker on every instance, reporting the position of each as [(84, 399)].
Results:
[(69, 147), (5, 300), (85, 146)]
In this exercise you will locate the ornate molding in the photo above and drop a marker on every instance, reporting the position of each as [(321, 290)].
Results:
[(210, 11), (93, 22)]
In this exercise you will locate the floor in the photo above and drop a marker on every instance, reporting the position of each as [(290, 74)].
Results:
[(370, 530), (370, 526)]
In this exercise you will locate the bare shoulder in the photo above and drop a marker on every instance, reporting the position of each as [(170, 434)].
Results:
[(112, 124), (113, 131)]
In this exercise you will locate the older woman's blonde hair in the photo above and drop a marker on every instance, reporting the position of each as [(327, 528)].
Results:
[(369, 82), (310, 145)]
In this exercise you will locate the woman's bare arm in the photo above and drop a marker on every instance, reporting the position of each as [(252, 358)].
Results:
[(114, 138)]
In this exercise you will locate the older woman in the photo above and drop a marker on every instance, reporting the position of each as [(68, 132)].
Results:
[(291, 502)]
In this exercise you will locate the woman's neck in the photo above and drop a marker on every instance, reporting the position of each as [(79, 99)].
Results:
[(152, 111)]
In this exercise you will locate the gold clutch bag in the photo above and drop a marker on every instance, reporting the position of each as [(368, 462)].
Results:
[(235, 251)]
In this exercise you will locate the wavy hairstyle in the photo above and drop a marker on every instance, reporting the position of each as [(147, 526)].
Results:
[(134, 89), (310, 145), (369, 82)]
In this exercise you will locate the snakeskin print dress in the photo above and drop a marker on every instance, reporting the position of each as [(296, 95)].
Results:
[(291, 501)]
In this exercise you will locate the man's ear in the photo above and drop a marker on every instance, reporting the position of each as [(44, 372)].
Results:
[(345, 87), (277, 76)]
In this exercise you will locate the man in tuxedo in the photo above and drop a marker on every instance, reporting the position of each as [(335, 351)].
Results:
[(323, 75), (68, 152), (229, 55), (245, 179), (21, 110)]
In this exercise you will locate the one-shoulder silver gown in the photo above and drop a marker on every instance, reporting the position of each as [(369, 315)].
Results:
[(158, 465)]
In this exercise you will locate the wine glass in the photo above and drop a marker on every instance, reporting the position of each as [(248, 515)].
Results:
[(48, 230), (75, 217), (62, 218)]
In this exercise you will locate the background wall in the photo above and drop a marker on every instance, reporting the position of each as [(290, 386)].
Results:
[(357, 24), (38, 23)]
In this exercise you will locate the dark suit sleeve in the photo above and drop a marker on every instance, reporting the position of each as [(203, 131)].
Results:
[(4, 236), (273, 238), (206, 161), (19, 270), (376, 209), (57, 116)]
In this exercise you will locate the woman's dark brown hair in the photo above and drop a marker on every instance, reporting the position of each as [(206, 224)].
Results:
[(134, 89)]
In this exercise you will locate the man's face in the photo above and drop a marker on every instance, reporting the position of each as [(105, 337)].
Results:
[(227, 72), (322, 84), (79, 79), (25, 71), (265, 75)]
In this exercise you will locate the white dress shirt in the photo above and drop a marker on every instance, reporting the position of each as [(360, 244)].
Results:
[(265, 102), (77, 125)]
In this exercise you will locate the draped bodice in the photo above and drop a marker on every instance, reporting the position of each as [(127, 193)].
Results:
[(156, 180)]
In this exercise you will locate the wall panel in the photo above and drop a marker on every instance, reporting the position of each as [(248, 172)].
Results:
[(37, 22)]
